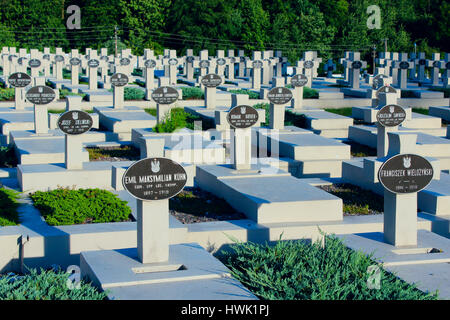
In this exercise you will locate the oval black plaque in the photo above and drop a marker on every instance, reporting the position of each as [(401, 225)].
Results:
[(19, 80), (104, 58), (40, 95), (404, 65), (299, 80), (75, 61), (93, 63), (391, 115), (242, 59), (387, 89), (34, 63), (436, 64), (124, 62), (308, 64), (221, 62), (11, 57), (150, 63), (173, 61), (46, 57), (279, 95), (356, 65), (211, 80), (241, 117), (422, 62), (20, 60), (447, 65), (165, 95), (75, 122), (59, 58), (232, 60), (257, 64), (154, 179), (190, 59), (204, 64), (119, 80), (405, 173)]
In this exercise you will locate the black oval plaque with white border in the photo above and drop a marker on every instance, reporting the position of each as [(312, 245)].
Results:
[(391, 115), (242, 59), (75, 122), (404, 65), (93, 63), (204, 64), (211, 80), (308, 64), (356, 65), (119, 80), (242, 117), (59, 58), (150, 63), (11, 57), (124, 62), (154, 179), (173, 61), (279, 95), (436, 64), (20, 60), (104, 58), (299, 80), (165, 95), (405, 173), (257, 64), (19, 80), (75, 61), (46, 56), (34, 63), (386, 89), (422, 62), (40, 95), (232, 60), (190, 59), (221, 62)]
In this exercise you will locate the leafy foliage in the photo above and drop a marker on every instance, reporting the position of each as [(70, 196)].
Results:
[(7, 94), (8, 207), (295, 270), (130, 93), (192, 93), (63, 93), (347, 112), (8, 157), (176, 119), (65, 206), (45, 285)]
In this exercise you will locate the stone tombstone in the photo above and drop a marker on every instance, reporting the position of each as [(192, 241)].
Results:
[(118, 81), (211, 80), (385, 89), (164, 97), (298, 81), (278, 97), (93, 65), (36, 66), (402, 176), (391, 115), (149, 76), (40, 96), (241, 118), (19, 80), (152, 181), (405, 173)]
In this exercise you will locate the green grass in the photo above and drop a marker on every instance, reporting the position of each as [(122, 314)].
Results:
[(7, 94), (63, 93), (178, 119), (357, 201), (45, 285), (65, 206), (192, 93), (251, 94), (347, 112), (296, 270), (360, 150), (290, 118), (131, 93), (420, 110), (308, 93), (125, 152), (8, 207)]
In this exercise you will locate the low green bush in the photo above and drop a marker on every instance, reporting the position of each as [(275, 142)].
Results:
[(188, 123), (45, 285), (8, 207), (309, 93), (65, 206), (192, 93), (251, 94), (296, 270), (8, 157), (63, 93), (347, 112), (420, 110), (130, 93), (173, 121), (264, 106), (6, 94)]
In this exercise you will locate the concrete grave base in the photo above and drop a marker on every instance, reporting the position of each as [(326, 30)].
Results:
[(125, 119), (190, 273), (441, 112), (100, 95)]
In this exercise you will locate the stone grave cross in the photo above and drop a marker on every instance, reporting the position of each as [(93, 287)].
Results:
[(354, 64), (403, 65), (421, 62), (435, 64), (255, 65), (329, 67)]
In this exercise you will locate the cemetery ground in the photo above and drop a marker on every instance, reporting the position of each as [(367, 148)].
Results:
[(288, 204)]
